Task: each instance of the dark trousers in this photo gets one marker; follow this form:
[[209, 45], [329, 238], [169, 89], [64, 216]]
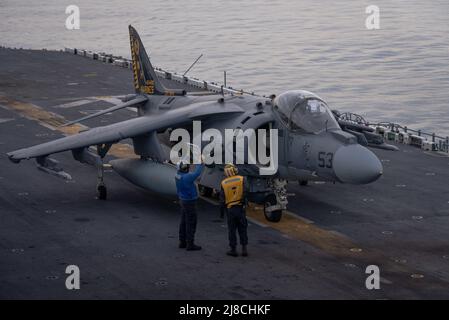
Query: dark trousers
[[187, 227], [237, 222]]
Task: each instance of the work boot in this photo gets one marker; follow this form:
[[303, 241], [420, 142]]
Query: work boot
[[182, 244], [244, 251], [232, 252], [193, 247]]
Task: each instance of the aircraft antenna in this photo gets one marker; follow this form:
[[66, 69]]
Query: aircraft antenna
[[191, 66]]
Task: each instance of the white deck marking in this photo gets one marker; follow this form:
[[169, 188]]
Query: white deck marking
[[73, 104], [6, 120]]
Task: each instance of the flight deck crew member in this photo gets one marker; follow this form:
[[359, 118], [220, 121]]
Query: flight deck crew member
[[232, 198], [188, 196]]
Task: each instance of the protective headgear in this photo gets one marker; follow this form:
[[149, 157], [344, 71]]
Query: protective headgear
[[230, 170], [183, 166]]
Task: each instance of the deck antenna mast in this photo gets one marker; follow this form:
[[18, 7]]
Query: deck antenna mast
[[191, 66]]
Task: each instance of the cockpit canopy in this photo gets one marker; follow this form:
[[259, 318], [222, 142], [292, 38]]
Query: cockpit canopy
[[303, 111]]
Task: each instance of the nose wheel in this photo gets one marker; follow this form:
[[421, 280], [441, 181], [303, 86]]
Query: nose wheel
[[276, 201], [271, 209]]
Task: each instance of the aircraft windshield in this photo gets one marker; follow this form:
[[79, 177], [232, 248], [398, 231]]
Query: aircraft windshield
[[302, 113]]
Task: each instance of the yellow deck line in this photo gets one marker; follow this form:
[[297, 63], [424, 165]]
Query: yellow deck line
[[330, 242], [296, 228]]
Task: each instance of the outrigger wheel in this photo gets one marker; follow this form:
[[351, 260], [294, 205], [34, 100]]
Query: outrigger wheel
[[102, 150], [102, 192], [275, 215]]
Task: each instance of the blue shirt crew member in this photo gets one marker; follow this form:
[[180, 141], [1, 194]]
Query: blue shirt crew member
[[188, 196]]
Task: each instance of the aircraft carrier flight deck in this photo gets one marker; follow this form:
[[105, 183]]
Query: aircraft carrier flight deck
[[126, 246]]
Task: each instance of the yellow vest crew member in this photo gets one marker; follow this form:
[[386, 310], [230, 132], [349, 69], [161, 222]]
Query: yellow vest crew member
[[232, 198]]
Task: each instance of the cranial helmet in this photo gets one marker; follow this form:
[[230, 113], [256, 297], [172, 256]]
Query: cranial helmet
[[230, 170]]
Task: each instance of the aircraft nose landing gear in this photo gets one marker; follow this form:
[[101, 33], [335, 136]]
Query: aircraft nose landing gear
[[271, 209], [276, 201]]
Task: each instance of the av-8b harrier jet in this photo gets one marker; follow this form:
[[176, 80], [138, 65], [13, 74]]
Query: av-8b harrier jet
[[311, 144]]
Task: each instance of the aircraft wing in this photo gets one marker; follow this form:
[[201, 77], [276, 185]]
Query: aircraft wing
[[132, 103], [122, 130]]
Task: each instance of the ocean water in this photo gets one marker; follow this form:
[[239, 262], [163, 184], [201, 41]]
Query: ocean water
[[398, 73]]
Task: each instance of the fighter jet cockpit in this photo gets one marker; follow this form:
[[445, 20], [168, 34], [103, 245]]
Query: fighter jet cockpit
[[302, 111]]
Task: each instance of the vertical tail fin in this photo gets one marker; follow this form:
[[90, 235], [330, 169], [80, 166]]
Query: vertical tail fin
[[145, 79]]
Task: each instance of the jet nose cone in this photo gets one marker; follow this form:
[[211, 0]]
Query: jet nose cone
[[356, 164]]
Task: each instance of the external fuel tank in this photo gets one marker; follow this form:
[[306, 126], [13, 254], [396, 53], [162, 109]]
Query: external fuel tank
[[147, 174]]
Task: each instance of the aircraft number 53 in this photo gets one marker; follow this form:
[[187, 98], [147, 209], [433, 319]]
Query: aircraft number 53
[[325, 159]]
